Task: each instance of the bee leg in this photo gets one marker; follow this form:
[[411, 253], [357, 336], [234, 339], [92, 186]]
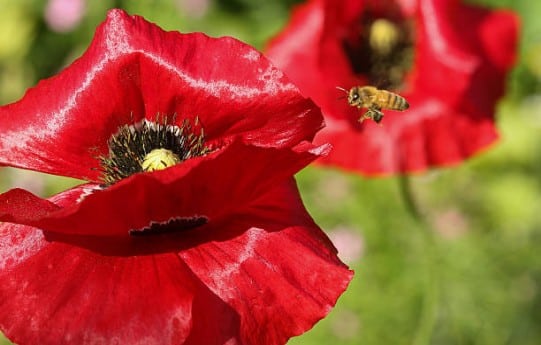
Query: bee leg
[[362, 117], [365, 116], [374, 114], [377, 116]]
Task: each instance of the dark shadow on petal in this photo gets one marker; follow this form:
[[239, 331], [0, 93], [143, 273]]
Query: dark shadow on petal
[[172, 240], [173, 225], [277, 209], [160, 242]]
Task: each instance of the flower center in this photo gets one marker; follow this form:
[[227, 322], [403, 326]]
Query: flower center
[[148, 146], [382, 52], [159, 159], [383, 36]]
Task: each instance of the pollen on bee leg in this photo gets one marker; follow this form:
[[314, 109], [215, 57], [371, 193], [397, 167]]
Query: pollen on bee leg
[[159, 159]]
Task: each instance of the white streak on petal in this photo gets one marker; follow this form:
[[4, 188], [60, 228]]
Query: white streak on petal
[[19, 243]]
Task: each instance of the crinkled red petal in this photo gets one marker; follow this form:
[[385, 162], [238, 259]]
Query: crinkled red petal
[[319, 64], [134, 70], [467, 50], [214, 286], [210, 187], [58, 293], [405, 144], [494, 43], [274, 267], [462, 56]]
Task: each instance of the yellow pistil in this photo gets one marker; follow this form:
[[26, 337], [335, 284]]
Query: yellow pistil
[[159, 159], [383, 36]]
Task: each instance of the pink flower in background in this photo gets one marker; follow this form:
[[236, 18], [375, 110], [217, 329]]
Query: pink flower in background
[[348, 242], [64, 15], [30, 180], [193, 8], [451, 224]]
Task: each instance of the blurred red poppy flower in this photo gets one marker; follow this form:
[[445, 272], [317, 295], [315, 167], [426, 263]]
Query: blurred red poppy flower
[[190, 227], [449, 60]]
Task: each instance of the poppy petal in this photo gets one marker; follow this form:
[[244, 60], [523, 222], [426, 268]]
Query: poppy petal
[[190, 189], [211, 292], [135, 70], [261, 262], [56, 293], [404, 143]]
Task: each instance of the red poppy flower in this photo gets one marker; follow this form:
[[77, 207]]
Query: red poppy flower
[[205, 251], [449, 60]]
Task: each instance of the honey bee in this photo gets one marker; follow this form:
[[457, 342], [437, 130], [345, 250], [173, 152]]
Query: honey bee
[[374, 100]]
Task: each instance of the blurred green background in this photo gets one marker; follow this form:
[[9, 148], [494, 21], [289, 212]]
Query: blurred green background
[[467, 271]]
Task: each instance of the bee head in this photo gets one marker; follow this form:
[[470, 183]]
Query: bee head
[[353, 95]]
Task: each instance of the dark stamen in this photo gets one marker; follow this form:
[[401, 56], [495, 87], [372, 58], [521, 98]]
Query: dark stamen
[[130, 146], [173, 225], [383, 49]]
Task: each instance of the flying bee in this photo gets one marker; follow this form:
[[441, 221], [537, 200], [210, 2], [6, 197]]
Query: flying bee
[[374, 100]]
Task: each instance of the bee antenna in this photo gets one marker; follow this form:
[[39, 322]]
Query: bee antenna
[[342, 89]]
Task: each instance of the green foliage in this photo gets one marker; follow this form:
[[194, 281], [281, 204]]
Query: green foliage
[[468, 272]]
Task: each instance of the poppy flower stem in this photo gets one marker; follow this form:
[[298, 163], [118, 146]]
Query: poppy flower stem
[[431, 289]]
